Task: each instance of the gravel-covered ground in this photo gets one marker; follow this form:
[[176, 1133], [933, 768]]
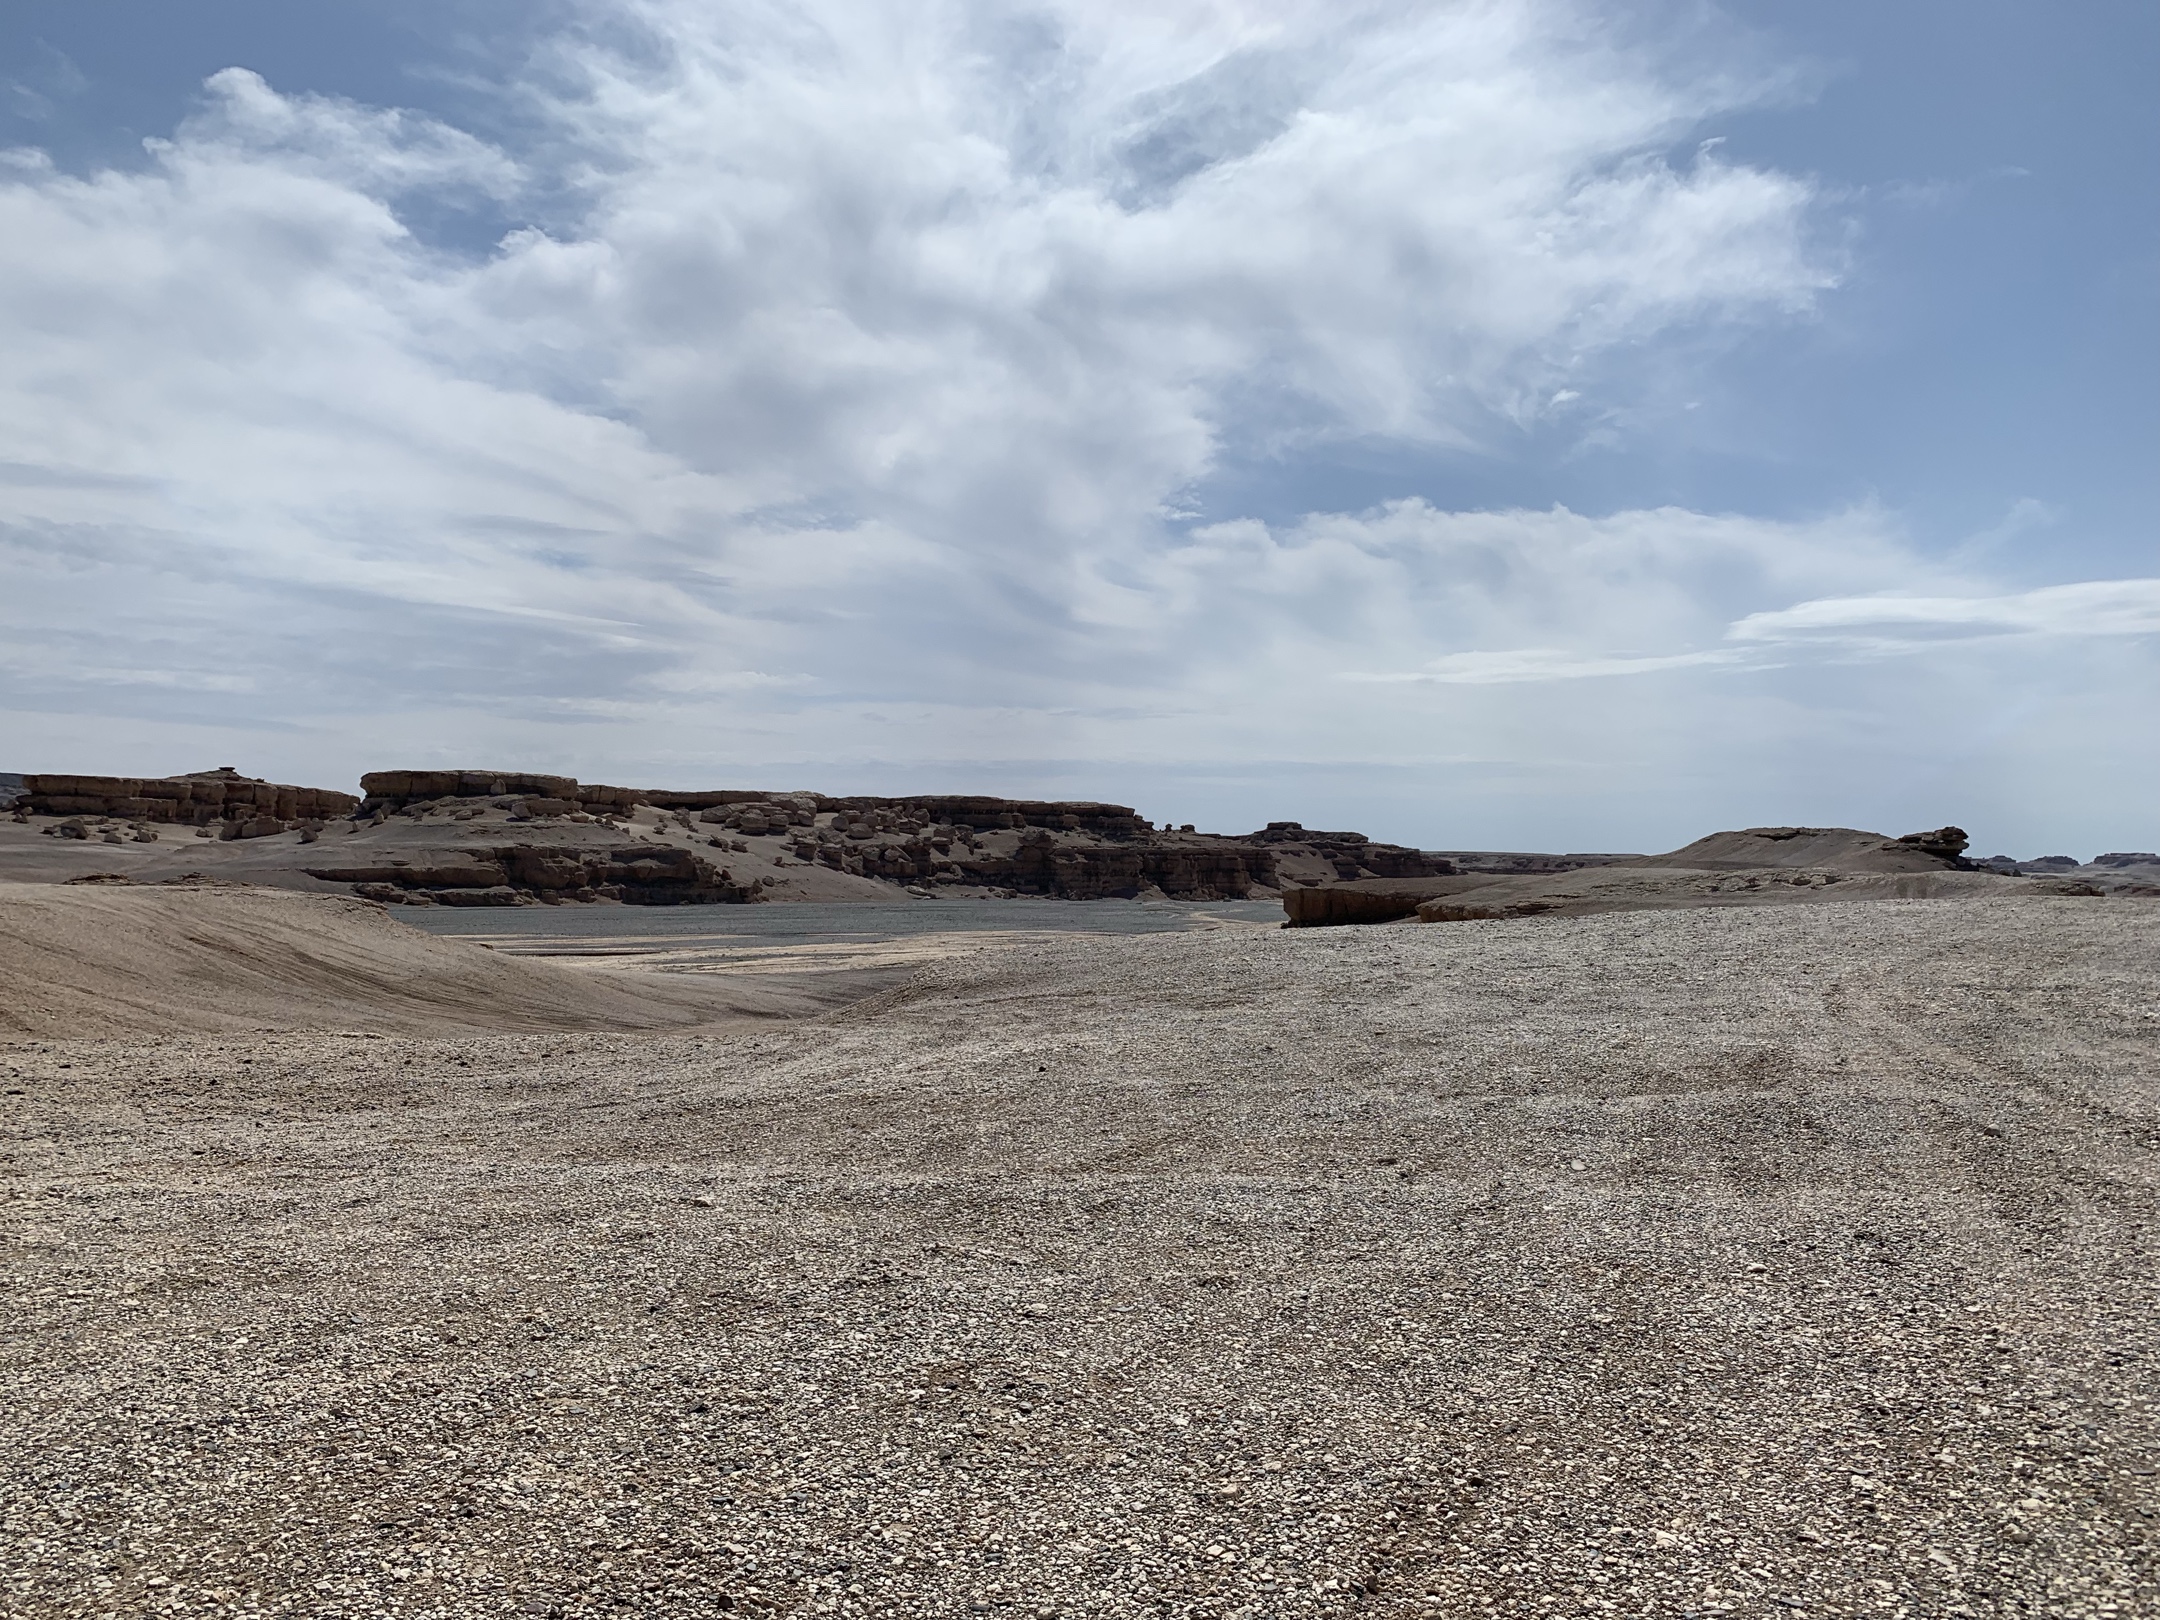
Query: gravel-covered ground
[[1770, 1262]]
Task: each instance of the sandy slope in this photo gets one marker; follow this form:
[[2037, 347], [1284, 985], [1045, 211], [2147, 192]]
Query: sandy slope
[[1722, 1261], [1592, 891], [96, 962]]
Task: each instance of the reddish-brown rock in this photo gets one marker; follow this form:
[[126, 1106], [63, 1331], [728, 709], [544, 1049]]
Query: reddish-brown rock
[[220, 798]]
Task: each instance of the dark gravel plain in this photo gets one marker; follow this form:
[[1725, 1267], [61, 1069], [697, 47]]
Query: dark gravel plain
[[1780, 1262]]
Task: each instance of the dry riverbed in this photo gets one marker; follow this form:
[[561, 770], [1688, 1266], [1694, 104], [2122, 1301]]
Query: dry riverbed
[[1779, 1262]]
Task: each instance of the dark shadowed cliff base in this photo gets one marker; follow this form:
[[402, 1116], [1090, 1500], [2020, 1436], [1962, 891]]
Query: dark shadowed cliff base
[[1752, 1261]]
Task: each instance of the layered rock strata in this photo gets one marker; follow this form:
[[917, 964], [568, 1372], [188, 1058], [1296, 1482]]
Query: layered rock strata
[[1352, 854], [1078, 850], [1038, 862], [235, 806], [1086, 852], [487, 837], [386, 792], [1509, 862], [525, 874]]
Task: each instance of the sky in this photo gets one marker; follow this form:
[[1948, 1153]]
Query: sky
[[1495, 425]]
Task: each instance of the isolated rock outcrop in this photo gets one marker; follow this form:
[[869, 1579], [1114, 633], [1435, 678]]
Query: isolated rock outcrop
[[1944, 843], [1372, 900]]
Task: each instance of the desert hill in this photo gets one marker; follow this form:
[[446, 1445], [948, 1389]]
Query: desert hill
[[1817, 849]]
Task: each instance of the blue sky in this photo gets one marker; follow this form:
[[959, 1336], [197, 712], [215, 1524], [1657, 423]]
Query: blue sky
[[1511, 424]]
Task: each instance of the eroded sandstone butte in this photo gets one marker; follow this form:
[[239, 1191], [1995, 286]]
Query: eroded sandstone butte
[[236, 806]]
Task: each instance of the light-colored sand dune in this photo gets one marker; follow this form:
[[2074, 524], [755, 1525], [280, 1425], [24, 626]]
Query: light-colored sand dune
[[91, 963]]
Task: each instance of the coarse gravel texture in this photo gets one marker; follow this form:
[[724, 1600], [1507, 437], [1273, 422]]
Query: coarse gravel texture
[[1793, 1261]]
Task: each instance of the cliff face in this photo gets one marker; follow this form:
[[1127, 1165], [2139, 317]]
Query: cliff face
[[1078, 850], [389, 791], [236, 805], [485, 837], [1074, 866], [522, 874], [1351, 854]]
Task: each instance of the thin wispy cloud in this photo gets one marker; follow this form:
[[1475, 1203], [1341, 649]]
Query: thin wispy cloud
[[1541, 664], [2107, 607]]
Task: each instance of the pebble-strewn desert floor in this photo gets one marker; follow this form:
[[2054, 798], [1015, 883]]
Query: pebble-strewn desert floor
[[1779, 1262]]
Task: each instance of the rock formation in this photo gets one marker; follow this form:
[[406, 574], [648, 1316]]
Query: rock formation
[[389, 791], [1510, 862], [1754, 866], [235, 806], [1374, 900], [489, 837], [523, 874], [1944, 843], [1352, 854], [1077, 850]]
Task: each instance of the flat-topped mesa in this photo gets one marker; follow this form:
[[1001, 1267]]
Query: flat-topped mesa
[[536, 793], [395, 790], [387, 791], [984, 814], [743, 811], [391, 791], [237, 806]]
